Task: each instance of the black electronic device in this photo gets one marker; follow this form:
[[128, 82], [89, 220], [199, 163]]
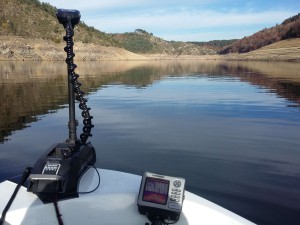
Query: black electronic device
[[161, 197], [56, 173], [66, 15]]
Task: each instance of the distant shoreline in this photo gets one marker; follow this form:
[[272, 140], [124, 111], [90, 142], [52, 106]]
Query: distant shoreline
[[286, 50], [21, 49]]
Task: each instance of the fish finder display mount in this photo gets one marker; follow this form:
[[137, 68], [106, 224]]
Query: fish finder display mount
[[161, 198]]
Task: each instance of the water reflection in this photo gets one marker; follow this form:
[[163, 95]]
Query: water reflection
[[30, 89], [225, 126]]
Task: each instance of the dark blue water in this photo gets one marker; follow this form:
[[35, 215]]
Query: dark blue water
[[230, 131]]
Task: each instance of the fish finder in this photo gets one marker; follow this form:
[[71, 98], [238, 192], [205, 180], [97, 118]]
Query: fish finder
[[161, 197]]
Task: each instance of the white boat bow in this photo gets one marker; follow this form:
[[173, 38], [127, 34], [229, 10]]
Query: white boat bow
[[114, 202]]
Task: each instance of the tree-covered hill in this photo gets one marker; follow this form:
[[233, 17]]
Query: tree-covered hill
[[140, 41], [216, 45], [290, 28]]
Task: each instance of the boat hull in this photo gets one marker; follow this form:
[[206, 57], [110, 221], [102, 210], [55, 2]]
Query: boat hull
[[113, 203]]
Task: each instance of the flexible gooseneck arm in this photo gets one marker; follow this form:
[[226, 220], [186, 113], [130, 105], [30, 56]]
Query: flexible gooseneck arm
[[69, 18]]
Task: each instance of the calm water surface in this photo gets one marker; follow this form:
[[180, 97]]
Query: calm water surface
[[231, 129]]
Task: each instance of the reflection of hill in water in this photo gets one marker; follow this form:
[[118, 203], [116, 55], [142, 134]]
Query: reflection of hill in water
[[281, 78], [29, 89]]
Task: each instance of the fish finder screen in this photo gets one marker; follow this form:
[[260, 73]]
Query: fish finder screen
[[156, 190]]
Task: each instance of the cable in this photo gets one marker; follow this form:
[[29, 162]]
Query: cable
[[157, 220], [99, 181], [57, 212], [25, 175], [167, 223]]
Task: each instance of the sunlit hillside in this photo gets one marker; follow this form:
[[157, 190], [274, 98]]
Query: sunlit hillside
[[290, 28], [286, 50]]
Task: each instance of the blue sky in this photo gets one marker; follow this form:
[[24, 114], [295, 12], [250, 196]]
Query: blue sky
[[183, 20]]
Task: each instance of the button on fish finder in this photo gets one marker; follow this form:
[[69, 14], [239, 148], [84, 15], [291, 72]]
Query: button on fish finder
[[177, 183]]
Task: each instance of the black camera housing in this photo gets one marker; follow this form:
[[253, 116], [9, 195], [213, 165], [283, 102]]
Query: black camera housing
[[66, 16]]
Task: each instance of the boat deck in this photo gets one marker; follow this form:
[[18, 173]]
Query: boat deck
[[113, 203]]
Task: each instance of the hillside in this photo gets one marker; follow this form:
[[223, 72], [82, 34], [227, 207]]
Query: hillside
[[32, 19], [140, 41], [29, 30], [19, 48], [290, 28], [215, 45], [285, 50]]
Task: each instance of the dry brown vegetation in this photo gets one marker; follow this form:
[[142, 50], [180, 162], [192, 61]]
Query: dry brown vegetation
[[18, 48]]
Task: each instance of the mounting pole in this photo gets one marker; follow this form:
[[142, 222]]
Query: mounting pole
[[72, 118], [69, 18]]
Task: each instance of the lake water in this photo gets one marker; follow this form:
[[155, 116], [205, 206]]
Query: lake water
[[232, 129]]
